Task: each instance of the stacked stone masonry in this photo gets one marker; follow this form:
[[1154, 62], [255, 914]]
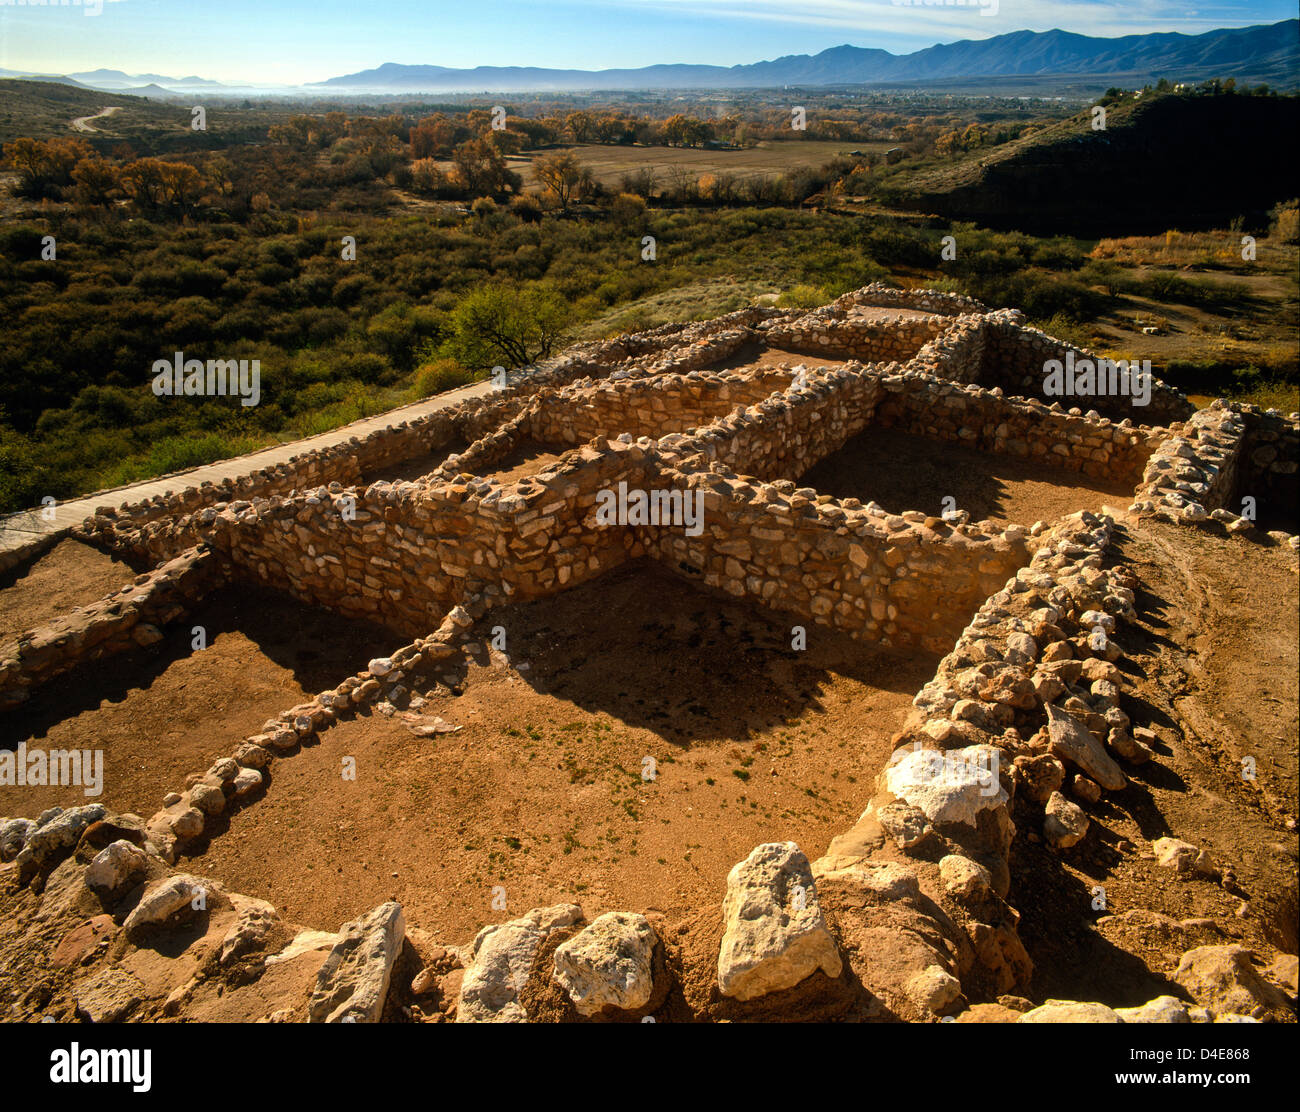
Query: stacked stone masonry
[[1022, 716]]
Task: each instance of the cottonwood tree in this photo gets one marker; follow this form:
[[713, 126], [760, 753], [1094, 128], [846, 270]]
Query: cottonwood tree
[[483, 170], [564, 178], [507, 325], [97, 181]]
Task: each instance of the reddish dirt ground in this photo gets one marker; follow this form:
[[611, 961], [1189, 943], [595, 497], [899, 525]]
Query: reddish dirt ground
[[541, 791], [527, 459], [902, 471], [757, 355], [166, 711], [415, 468], [69, 575]]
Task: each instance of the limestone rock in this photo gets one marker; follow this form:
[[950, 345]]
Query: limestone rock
[[904, 823], [108, 996], [246, 781], [61, 833], [174, 896], [352, 985], [208, 798], [1041, 775], [1223, 980], [963, 878], [255, 925], [933, 990], [608, 964], [1183, 857], [1070, 1011], [1065, 825], [1163, 1009], [501, 957], [1074, 742], [775, 935], [13, 837], [949, 787], [115, 869]]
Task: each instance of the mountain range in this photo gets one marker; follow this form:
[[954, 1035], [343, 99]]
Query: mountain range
[[1264, 52], [1267, 53]]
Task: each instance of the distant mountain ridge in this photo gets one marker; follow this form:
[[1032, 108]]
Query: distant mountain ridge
[[1263, 52]]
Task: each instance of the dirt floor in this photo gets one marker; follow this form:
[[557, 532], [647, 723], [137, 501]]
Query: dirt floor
[[411, 469], [527, 459], [541, 790], [752, 356], [902, 471], [166, 711], [1214, 664], [69, 575]]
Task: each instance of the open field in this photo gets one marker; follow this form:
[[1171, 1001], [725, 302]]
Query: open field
[[609, 163]]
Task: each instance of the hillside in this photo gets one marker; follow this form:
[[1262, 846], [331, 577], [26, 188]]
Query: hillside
[[1164, 161]]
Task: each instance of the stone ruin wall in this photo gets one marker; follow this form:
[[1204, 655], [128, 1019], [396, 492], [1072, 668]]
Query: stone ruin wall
[[129, 618], [678, 347], [878, 295], [1224, 452], [830, 333], [892, 579], [1014, 358], [981, 418], [648, 407], [1269, 457], [927, 876]]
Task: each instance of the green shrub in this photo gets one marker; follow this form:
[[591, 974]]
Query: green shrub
[[438, 376]]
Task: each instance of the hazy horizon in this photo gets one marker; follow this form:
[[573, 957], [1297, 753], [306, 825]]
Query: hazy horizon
[[296, 43]]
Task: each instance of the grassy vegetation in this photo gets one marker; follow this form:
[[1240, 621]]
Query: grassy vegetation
[[251, 263]]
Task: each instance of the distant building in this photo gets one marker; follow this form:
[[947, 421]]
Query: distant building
[[894, 154]]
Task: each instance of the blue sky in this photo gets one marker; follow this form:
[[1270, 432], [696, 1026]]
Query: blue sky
[[272, 42]]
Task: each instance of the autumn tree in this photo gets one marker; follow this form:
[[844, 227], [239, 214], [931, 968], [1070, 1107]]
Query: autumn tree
[[563, 177], [483, 169], [144, 181], [581, 126], [45, 166], [686, 131], [97, 181]]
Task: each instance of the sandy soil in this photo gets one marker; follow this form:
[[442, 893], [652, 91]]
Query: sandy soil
[[527, 459], [167, 711], [1214, 661], [414, 468], [69, 575], [902, 471], [541, 791], [752, 356]]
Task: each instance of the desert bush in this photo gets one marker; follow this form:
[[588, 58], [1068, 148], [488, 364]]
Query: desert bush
[[439, 375]]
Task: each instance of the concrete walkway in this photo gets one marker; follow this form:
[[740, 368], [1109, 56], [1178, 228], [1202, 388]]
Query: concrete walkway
[[22, 529]]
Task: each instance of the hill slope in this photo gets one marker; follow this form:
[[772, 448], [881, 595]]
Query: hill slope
[[1163, 162]]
